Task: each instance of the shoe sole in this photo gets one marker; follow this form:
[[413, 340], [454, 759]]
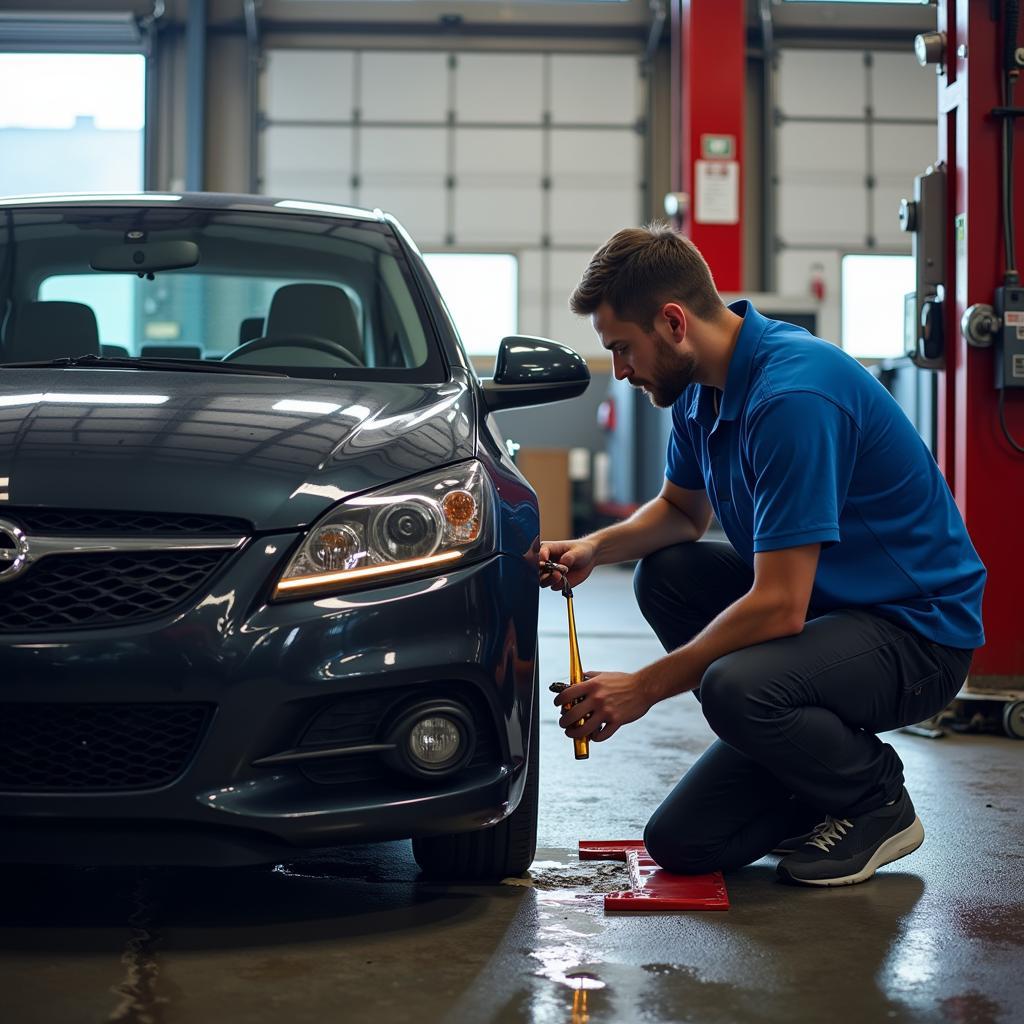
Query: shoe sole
[[897, 846]]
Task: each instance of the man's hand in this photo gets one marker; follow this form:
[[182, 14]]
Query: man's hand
[[578, 556], [609, 700]]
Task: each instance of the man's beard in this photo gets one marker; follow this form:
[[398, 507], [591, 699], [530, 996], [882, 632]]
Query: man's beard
[[673, 374]]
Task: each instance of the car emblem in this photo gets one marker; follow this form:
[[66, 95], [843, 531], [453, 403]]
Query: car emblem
[[13, 551]]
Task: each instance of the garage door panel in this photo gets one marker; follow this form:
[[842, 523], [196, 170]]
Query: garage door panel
[[810, 150], [822, 213], [900, 87], [308, 163], [596, 158], [588, 217], [498, 156], [822, 83], [906, 149], [403, 86], [514, 217], [499, 87], [403, 155], [592, 89], [288, 95]]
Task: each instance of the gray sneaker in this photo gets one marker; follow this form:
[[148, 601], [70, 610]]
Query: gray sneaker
[[843, 851]]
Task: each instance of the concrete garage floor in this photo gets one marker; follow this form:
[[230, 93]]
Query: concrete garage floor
[[353, 936]]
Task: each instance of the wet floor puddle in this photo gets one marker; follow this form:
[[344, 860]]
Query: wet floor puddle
[[573, 881]]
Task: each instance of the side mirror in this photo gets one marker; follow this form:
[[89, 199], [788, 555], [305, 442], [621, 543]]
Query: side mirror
[[534, 371]]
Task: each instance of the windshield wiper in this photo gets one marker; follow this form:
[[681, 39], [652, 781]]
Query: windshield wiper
[[120, 363]]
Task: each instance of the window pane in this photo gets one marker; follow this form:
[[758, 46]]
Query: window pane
[[74, 122], [873, 290], [481, 292]]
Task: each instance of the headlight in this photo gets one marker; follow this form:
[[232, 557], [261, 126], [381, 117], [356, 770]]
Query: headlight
[[437, 519]]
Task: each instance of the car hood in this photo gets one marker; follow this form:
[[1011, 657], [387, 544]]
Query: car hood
[[274, 451]]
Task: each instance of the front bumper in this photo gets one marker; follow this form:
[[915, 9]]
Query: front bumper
[[267, 671]]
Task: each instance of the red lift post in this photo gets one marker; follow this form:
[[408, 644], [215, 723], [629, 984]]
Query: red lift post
[[709, 40], [984, 472]]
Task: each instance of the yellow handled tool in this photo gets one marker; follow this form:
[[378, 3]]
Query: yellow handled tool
[[581, 747]]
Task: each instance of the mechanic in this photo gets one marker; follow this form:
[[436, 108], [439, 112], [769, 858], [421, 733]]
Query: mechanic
[[846, 603]]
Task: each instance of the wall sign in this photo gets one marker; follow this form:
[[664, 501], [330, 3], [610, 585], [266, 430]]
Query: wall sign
[[717, 191]]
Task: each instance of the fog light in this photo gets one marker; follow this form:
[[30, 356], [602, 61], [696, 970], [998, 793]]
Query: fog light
[[431, 739], [434, 741]]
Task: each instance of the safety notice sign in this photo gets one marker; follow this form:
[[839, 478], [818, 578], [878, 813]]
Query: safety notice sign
[[717, 199]]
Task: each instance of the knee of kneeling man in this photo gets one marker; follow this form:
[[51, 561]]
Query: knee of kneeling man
[[664, 564], [646, 578], [722, 690]]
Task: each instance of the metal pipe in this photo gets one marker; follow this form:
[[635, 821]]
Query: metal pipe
[[195, 95], [658, 15], [149, 30], [768, 171], [252, 37]]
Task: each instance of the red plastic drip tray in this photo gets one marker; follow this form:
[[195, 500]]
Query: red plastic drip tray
[[651, 888]]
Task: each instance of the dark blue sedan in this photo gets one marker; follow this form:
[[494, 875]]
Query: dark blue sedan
[[268, 574]]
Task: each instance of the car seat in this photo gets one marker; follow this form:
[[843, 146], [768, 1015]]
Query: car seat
[[319, 310], [51, 330]]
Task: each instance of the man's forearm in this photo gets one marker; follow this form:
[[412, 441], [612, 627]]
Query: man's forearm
[[653, 526], [755, 618]]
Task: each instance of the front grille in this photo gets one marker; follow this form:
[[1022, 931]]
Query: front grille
[[96, 590], [87, 522], [81, 747], [361, 719]]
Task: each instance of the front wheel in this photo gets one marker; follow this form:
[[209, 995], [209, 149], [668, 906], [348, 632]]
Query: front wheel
[[490, 854]]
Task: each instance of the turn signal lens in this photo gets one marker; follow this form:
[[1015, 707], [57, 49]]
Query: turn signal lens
[[462, 515]]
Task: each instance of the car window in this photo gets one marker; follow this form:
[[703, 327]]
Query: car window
[[312, 296], [133, 315]]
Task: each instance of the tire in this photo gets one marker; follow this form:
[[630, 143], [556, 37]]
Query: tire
[[490, 854]]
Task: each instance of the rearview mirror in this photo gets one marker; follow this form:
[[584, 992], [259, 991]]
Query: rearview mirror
[[146, 257], [534, 371]]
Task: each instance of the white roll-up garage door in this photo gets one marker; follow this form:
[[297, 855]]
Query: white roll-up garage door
[[536, 154]]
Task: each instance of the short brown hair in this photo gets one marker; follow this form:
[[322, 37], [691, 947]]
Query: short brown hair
[[638, 270]]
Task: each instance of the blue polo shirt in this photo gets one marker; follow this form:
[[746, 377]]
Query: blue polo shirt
[[809, 448]]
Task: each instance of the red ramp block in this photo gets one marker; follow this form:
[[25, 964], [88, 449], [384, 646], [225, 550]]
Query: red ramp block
[[651, 888]]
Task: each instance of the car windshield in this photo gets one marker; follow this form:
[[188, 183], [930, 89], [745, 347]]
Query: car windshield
[[311, 296]]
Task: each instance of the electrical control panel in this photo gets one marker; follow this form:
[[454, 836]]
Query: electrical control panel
[[1009, 339]]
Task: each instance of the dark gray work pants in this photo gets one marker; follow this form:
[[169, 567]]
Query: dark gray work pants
[[796, 717]]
